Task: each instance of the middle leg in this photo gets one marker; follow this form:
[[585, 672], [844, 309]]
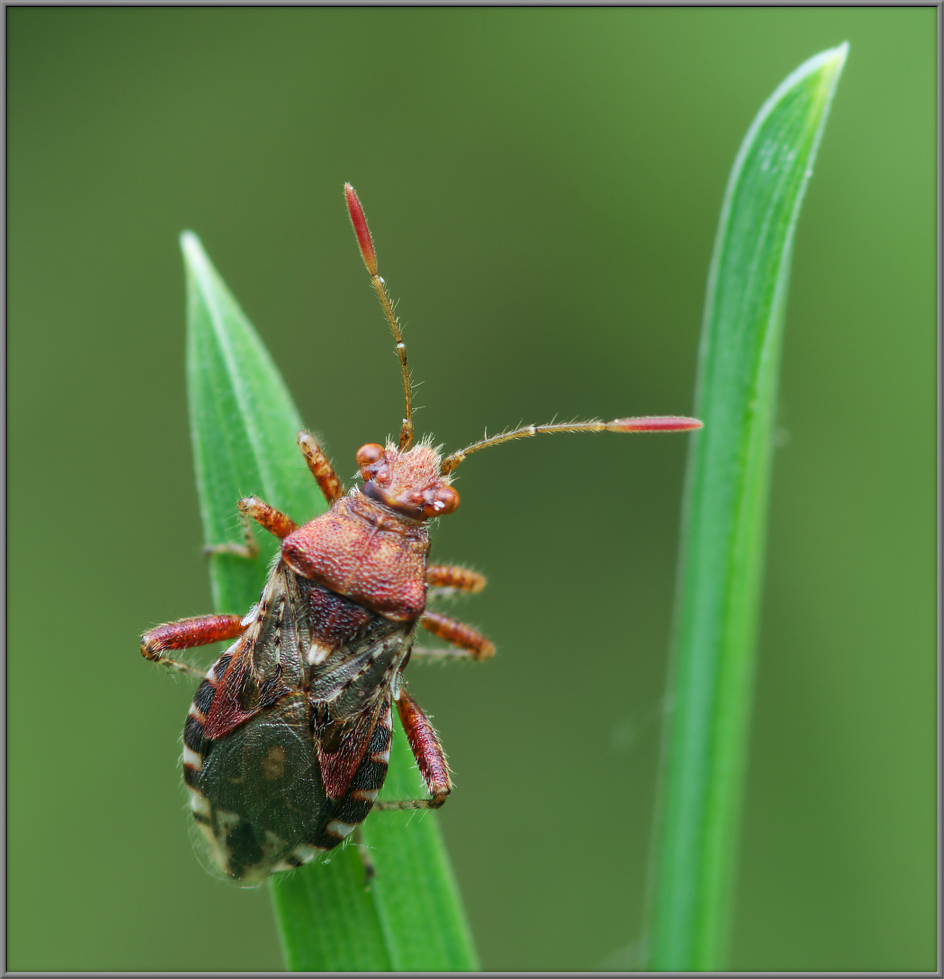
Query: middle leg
[[469, 642], [186, 634], [450, 577]]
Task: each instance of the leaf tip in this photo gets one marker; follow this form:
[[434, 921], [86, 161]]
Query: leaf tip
[[192, 248], [834, 60], [827, 65]]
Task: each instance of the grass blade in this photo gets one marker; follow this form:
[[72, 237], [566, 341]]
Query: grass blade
[[725, 515], [243, 427]]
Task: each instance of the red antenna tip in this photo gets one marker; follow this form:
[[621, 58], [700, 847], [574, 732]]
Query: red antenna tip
[[655, 423], [360, 229]]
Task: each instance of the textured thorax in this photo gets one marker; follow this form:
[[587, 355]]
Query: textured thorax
[[365, 552]]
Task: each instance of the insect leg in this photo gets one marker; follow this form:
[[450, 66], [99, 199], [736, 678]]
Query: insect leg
[[274, 521], [429, 757], [453, 577], [469, 642], [370, 871], [321, 468], [186, 634]]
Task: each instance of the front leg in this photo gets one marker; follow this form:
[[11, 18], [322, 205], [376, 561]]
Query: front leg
[[429, 757], [186, 634], [274, 521], [319, 465]]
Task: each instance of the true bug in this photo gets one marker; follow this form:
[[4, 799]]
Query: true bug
[[287, 741]]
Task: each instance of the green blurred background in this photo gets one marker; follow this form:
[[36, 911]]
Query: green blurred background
[[544, 187]]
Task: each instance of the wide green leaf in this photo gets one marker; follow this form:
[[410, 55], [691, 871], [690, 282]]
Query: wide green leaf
[[725, 515], [243, 426]]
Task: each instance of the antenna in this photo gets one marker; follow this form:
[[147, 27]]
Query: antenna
[[651, 423], [366, 245]]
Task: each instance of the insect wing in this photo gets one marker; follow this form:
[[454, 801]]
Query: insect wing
[[351, 685], [263, 791], [249, 757]]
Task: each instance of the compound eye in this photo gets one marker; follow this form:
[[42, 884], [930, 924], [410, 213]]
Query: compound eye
[[445, 501], [369, 458], [369, 454]]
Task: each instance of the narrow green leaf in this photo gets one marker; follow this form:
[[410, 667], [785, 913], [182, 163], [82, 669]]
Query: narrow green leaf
[[243, 427], [725, 514]]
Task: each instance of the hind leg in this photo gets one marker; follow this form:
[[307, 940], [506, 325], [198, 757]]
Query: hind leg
[[429, 757]]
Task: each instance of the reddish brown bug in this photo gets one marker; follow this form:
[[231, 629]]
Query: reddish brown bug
[[287, 741]]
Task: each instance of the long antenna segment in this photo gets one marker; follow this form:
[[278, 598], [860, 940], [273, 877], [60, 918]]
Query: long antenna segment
[[366, 244], [650, 423]]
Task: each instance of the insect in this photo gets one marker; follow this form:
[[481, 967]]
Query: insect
[[287, 741]]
